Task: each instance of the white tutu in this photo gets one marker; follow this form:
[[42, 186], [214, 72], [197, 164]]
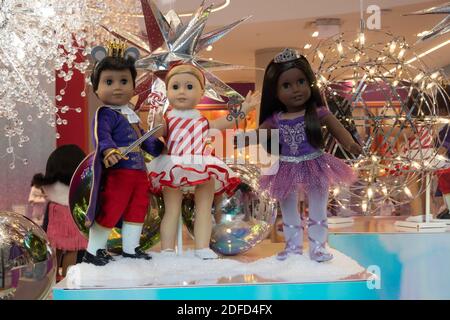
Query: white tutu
[[185, 172]]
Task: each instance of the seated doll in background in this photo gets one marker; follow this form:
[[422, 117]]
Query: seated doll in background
[[61, 229]]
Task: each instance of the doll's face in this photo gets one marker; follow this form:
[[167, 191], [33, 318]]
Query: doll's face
[[293, 89], [115, 87], [184, 91]]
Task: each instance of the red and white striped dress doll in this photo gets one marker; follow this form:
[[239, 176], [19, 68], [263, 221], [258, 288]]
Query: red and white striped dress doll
[[188, 162]]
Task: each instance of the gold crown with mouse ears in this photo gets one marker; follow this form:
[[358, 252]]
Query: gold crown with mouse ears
[[115, 49]]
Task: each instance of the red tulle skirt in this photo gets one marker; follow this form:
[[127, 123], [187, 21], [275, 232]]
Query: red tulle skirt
[[62, 231]]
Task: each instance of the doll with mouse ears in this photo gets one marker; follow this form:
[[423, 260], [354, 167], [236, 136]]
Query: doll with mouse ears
[[120, 183]]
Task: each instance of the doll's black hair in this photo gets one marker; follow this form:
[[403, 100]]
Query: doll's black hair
[[270, 103], [61, 166], [113, 63]]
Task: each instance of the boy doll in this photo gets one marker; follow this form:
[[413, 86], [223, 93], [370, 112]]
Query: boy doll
[[120, 183]]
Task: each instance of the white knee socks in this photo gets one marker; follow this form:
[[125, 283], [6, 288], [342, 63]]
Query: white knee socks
[[98, 236]]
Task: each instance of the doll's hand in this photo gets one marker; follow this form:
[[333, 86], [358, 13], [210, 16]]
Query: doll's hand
[[112, 156], [158, 119], [251, 101], [355, 148]]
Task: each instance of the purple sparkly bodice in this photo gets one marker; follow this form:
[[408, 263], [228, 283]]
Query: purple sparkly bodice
[[293, 139]]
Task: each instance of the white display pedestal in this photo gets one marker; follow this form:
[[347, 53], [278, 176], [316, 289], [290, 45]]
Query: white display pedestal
[[421, 223], [444, 221]]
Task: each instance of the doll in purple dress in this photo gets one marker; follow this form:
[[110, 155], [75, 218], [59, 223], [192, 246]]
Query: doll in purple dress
[[291, 102]]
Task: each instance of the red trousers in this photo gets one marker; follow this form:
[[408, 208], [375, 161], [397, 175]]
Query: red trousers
[[125, 193], [444, 180]]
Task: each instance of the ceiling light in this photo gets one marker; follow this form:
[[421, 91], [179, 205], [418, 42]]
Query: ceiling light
[[315, 34], [307, 46], [442, 44], [209, 48]]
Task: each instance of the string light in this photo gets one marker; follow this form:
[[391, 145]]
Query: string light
[[389, 163]]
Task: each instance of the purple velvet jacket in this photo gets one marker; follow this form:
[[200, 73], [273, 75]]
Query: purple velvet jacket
[[111, 129]]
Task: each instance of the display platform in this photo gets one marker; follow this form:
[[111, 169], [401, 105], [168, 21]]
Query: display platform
[[253, 275], [248, 287], [384, 263]]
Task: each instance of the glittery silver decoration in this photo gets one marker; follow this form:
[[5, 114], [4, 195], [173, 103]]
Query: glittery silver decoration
[[241, 220], [170, 40], [442, 27]]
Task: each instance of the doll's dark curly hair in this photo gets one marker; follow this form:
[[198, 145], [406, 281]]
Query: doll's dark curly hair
[[61, 165]]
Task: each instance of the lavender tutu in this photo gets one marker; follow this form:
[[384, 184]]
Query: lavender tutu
[[316, 174]]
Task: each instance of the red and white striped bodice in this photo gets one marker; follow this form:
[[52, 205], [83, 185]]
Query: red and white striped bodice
[[424, 139], [186, 135]]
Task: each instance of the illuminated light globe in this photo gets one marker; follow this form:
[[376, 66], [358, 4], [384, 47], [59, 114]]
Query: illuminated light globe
[[240, 221], [80, 188], [391, 104], [27, 261]]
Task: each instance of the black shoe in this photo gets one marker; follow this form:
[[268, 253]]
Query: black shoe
[[100, 259], [443, 215], [139, 254]]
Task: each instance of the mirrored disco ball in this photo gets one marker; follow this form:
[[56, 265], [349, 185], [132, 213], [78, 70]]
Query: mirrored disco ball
[[393, 106], [240, 221], [27, 261], [80, 189]]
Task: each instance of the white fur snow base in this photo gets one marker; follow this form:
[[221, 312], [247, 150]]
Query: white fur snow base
[[188, 269]]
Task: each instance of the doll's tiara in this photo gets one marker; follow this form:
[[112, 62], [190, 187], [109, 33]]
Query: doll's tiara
[[287, 55]]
